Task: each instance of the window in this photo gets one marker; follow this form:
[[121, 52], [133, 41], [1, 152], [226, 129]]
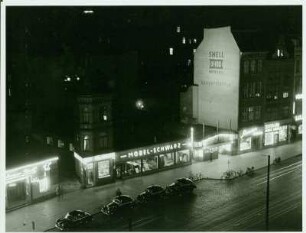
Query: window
[[246, 67], [194, 50], [86, 143], [183, 40], [259, 65], [103, 169], [178, 29], [188, 62], [297, 66], [257, 112], [251, 113], [85, 116], [103, 113], [194, 40], [285, 94], [171, 51], [103, 141], [253, 66], [258, 89], [244, 114]]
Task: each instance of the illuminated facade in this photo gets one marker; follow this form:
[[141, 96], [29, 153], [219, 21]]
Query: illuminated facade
[[28, 183], [216, 73], [246, 91], [102, 168]]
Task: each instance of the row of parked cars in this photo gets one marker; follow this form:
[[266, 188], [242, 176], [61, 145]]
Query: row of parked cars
[[123, 203]]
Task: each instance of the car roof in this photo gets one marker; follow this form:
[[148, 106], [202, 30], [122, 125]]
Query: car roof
[[184, 180], [123, 198]]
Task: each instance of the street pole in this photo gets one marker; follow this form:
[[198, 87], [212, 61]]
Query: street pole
[[267, 197]]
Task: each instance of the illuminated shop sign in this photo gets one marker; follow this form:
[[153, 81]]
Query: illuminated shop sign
[[251, 132], [298, 96], [272, 127], [94, 158], [151, 150], [29, 170], [298, 117]]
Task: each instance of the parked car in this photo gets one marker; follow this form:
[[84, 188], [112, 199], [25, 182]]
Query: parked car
[[153, 192], [180, 186], [119, 203], [73, 219]]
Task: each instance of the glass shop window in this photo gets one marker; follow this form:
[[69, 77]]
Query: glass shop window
[[182, 156], [150, 163], [166, 160]]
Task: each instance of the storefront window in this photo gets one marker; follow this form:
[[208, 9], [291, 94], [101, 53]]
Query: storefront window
[[198, 155], [182, 156], [283, 133], [131, 167], [103, 169], [166, 160], [269, 138], [246, 144], [150, 163], [300, 129]]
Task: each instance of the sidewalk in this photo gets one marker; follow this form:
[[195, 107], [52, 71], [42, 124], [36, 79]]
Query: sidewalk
[[46, 213]]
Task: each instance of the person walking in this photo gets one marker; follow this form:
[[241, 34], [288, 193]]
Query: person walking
[[118, 192], [57, 192]]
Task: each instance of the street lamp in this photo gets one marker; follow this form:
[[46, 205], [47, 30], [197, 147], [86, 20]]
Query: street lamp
[[139, 104], [267, 195]]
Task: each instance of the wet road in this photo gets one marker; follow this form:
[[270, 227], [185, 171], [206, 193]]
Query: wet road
[[237, 205]]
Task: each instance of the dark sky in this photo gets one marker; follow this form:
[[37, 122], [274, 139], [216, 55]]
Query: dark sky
[[49, 29]]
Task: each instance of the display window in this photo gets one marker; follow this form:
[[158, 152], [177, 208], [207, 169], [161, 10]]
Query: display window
[[166, 160], [246, 144], [182, 156], [300, 129], [103, 169], [198, 155], [150, 163], [131, 168], [269, 138], [283, 133]]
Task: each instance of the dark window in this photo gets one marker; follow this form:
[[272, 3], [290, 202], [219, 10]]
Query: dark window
[[103, 141], [259, 65], [251, 113], [253, 66], [246, 67], [85, 115], [257, 112]]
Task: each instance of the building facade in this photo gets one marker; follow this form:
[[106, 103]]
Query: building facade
[[31, 182], [247, 92]]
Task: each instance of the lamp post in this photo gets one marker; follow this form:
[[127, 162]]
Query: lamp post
[[267, 195], [191, 139]]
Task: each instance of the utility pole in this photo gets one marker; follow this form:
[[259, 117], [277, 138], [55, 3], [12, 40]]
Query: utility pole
[[267, 197]]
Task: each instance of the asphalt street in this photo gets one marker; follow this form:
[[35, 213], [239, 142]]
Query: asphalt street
[[216, 205]]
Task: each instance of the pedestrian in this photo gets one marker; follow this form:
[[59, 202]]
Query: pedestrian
[[118, 192], [33, 226], [57, 192], [61, 193]]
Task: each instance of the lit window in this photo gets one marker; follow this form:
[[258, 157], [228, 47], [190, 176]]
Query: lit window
[[171, 51], [178, 29], [183, 40], [194, 40], [194, 50], [189, 62], [285, 94], [189, 41], [103, 113], [278, 52], [105, 117], [43, 185], [86, 143]]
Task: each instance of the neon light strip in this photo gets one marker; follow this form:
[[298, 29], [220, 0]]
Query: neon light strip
[[33, 164], [15, 180]]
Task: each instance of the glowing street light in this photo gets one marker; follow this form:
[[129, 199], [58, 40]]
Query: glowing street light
[[140, 104], [88, 12]]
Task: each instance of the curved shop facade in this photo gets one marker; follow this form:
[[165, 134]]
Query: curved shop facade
[[105, 168], [151, 159]]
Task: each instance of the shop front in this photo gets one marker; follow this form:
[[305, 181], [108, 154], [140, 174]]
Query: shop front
[[276, 133], [95, 170], [250, 139], [31, 182], [151, 159]]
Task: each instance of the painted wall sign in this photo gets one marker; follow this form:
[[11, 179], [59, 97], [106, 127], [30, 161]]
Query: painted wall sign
[[216, 73]]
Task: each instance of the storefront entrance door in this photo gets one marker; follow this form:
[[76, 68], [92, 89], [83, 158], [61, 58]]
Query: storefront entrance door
[[16, 194]]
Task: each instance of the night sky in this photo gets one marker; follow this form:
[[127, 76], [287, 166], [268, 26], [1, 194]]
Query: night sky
[[45, 44]]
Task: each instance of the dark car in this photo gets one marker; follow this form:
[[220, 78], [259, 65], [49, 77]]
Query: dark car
[[180, 186], [119, 203], [151, 193], [73, 219]]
